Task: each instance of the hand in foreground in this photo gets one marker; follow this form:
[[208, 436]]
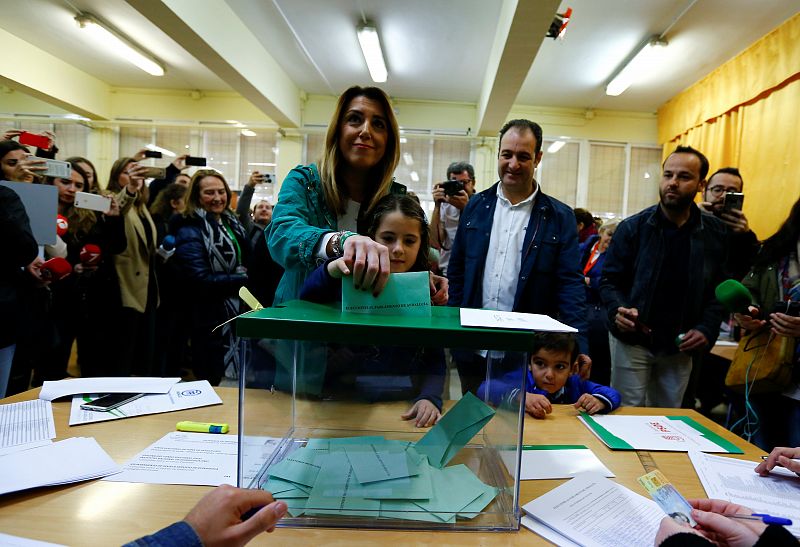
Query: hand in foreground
[[35, 270], [425, 412], [785, 325], [369, 262], [256, 177], [584, 366], [180, 162], [736, 220], [217, 518], [459, 200], [439, 290], [537, 405], [780, 456], [135, 173], [337, 269], [714, 525], [29, 167], [693, 339], [625, 320], [748, 322], [589, 403]]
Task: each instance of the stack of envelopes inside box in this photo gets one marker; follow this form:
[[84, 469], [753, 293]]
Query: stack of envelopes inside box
[[378, 477]]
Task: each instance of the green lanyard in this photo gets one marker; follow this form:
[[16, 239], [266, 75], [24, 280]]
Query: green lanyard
[[235, 242]]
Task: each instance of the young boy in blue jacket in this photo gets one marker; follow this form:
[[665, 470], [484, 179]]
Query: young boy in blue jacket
[[552, 377]]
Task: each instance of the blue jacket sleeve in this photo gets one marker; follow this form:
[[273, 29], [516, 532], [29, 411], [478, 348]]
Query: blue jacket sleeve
[[320, 287], [179, 534], [504, 388], [193, 258], [608, 395], [432, 376]]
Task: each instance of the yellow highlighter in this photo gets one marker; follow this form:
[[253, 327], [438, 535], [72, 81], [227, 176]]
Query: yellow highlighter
[[200, 427]]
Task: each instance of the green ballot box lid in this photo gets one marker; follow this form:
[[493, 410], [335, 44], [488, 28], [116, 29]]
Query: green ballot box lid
[[300, 320]]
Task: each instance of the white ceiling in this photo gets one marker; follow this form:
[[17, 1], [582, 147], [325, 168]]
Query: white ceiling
[[435, 49]]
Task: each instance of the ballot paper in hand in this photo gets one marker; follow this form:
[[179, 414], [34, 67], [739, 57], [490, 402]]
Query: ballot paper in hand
[[71, 460], [404, 294], [180, 397], [454, 430]]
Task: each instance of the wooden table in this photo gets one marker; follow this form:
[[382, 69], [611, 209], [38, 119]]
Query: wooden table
[[111, 513]]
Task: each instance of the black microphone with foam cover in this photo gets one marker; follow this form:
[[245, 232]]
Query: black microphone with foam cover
[[734, 296]]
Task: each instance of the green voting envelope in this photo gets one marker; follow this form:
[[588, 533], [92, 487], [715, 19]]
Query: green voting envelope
[[404, 294], [454, 430]]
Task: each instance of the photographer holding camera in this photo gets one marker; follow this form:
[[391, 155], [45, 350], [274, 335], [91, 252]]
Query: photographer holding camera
[[450, 197]]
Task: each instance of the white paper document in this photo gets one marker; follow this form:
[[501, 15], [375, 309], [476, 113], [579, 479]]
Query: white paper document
[[26, 423], [551, 462], [14, 541], [180, 397], [512, 320], [71, 460], [547, 533], [184, 458], [676, 433], [734, 480], [62, 388], [592, 510]]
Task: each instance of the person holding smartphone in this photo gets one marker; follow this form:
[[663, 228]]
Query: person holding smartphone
[[723, 197]]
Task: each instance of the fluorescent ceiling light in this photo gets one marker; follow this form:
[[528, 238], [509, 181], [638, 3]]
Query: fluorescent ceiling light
[[248, 133], [414, 176], [115, 42], [164, 151], [640, 63], [555, 147], [262, 164], [373, 54], [408, 159]]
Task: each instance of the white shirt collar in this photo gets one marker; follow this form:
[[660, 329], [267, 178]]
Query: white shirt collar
[[501, 195]]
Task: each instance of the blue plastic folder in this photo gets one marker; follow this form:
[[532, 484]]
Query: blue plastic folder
[[454, 430], [404, 294]]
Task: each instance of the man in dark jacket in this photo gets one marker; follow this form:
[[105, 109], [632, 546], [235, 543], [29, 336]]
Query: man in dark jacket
[[658, 287], [21, 251], [516, 248]]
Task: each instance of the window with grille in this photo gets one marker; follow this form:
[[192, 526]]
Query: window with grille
[[558, 172], [606, 181], [645, 173]]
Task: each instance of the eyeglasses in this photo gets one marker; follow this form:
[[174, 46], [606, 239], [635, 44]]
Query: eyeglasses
[[719, 190]]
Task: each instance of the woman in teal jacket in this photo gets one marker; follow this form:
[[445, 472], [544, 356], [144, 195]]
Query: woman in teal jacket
[[320, 208]]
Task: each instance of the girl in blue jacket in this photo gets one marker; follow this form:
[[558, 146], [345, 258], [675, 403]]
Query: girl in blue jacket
[[552, 377], [397, 222]]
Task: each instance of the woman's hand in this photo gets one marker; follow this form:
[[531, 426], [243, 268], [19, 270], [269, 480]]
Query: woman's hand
[[780, 456], [537, 405], [749, 321], [785, 325], [425, 412], [136, 174], [439, 290], [28, 168], [369, 262], [113, 208], [337, 269]]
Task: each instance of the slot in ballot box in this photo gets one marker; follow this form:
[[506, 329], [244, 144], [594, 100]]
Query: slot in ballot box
[[322, 395]]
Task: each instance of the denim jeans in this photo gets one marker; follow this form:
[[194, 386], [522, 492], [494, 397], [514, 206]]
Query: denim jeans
[[644, 378]]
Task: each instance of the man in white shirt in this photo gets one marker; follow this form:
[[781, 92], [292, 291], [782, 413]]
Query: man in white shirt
[[516, 248], [450, 201]]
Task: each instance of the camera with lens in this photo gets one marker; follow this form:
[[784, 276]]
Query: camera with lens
[[789, 308], [451, 187]]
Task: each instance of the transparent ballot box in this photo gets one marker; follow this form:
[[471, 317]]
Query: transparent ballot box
[[325, 406]]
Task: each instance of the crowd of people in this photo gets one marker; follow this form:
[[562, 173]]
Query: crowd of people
[[156, 271]]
